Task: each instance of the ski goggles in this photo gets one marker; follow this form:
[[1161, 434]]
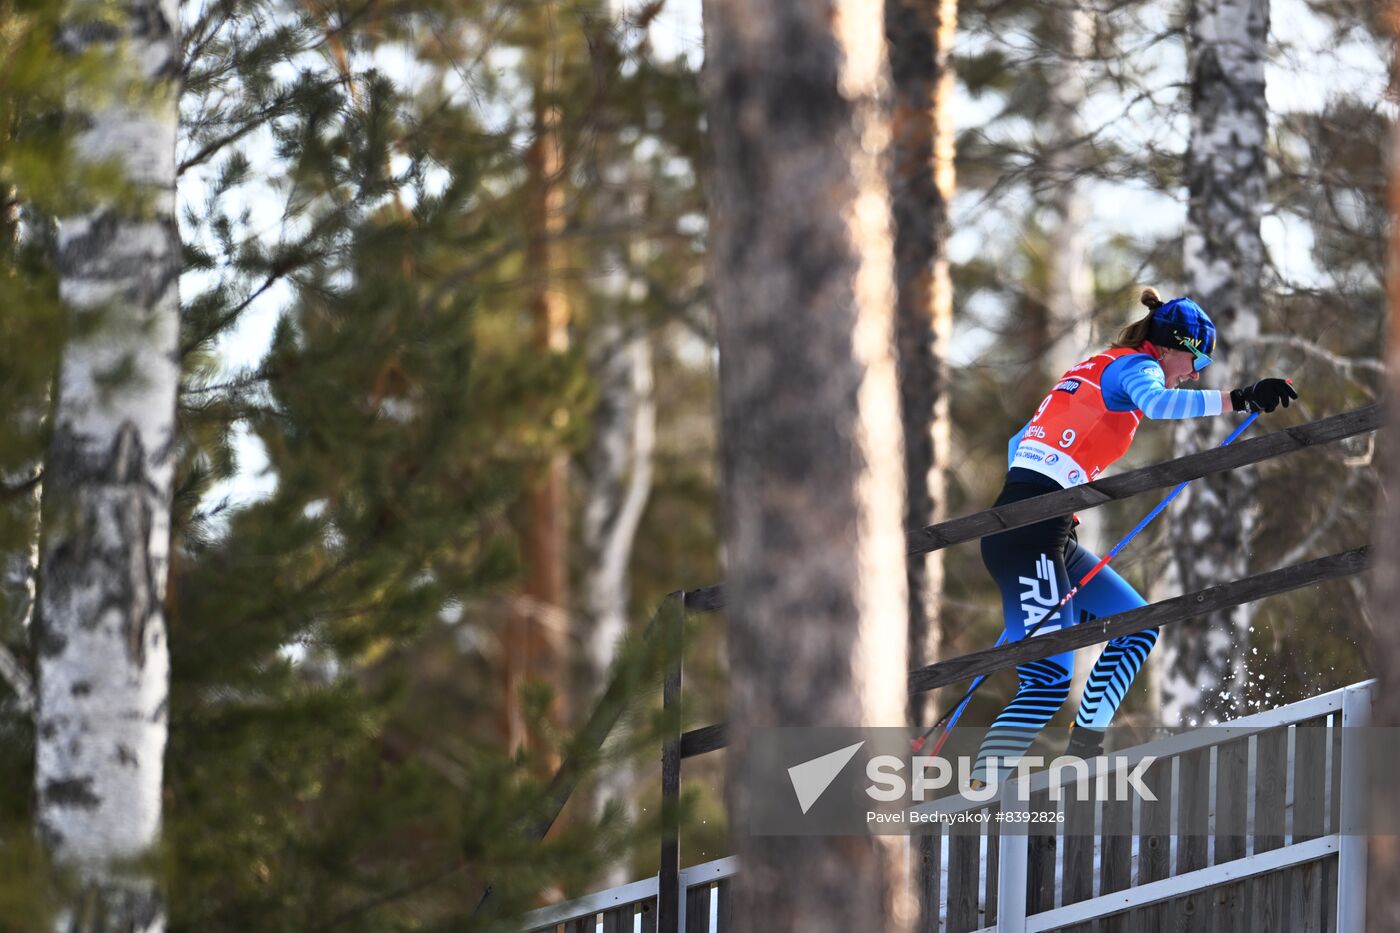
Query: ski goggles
[[1200, 361]]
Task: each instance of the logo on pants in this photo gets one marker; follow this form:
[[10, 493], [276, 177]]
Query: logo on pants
[[1040, 595]]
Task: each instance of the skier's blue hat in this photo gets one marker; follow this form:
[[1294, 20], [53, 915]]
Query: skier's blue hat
[[1181, 324]]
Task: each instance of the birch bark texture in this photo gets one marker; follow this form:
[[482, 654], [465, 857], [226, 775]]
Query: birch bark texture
[[920, 36], [619, 470], [813, 504], [618, 465], [1205, 674], [102, 658]]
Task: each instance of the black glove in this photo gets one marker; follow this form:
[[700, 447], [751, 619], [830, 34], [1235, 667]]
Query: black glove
[[1264, 395]]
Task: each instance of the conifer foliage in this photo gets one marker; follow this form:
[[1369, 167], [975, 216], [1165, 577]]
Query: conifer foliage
[[353, 170]]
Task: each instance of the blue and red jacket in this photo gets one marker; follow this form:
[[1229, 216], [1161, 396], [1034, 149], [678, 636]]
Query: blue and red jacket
[[1088, 420]]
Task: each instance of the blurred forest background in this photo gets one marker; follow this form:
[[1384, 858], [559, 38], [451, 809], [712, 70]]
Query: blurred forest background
[[447, 426]]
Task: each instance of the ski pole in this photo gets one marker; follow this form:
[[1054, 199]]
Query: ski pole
[[957, 711], [1113, 552], [952, 716]]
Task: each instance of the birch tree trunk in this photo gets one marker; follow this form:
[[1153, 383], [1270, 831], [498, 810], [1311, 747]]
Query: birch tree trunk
[[619, 481], [103, 662], [1205, 677], [920, 35], [801, 249], [619, 467]]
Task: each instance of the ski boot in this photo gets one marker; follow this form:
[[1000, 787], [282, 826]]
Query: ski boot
[[1084, 743]]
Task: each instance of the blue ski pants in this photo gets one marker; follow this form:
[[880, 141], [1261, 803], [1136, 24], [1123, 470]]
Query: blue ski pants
[[1034, 567]]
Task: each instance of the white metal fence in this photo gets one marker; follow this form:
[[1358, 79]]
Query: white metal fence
[[1292, 777]]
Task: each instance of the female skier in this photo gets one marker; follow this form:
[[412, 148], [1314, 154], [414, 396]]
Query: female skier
[[1084, 425]]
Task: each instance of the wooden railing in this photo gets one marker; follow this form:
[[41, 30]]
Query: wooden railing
[[664, 632]]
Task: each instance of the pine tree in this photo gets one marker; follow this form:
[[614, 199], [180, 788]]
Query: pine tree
[[396, 422], [337, 645], [920, 39], [801, 247]]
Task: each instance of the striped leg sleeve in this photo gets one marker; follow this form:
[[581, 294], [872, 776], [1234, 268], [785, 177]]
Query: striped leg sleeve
[[1044, 689], [1113, 673]]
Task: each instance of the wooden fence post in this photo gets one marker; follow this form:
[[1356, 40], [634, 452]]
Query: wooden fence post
[[669, 897]]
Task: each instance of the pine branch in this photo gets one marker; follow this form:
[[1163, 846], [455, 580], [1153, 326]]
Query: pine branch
[[280, 105], [394, 894], [198, 36], [292, 260], [254, 378]]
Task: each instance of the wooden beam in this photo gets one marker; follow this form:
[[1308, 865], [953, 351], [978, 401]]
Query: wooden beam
[[705, 599], [1157, 476], [1113, 488], [668, 901], [1167, 612], [702, 740]]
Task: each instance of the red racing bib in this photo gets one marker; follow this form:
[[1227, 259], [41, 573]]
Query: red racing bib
[[1074, 437]]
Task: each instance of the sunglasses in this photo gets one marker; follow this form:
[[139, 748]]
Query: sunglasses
[[1200, 361]]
